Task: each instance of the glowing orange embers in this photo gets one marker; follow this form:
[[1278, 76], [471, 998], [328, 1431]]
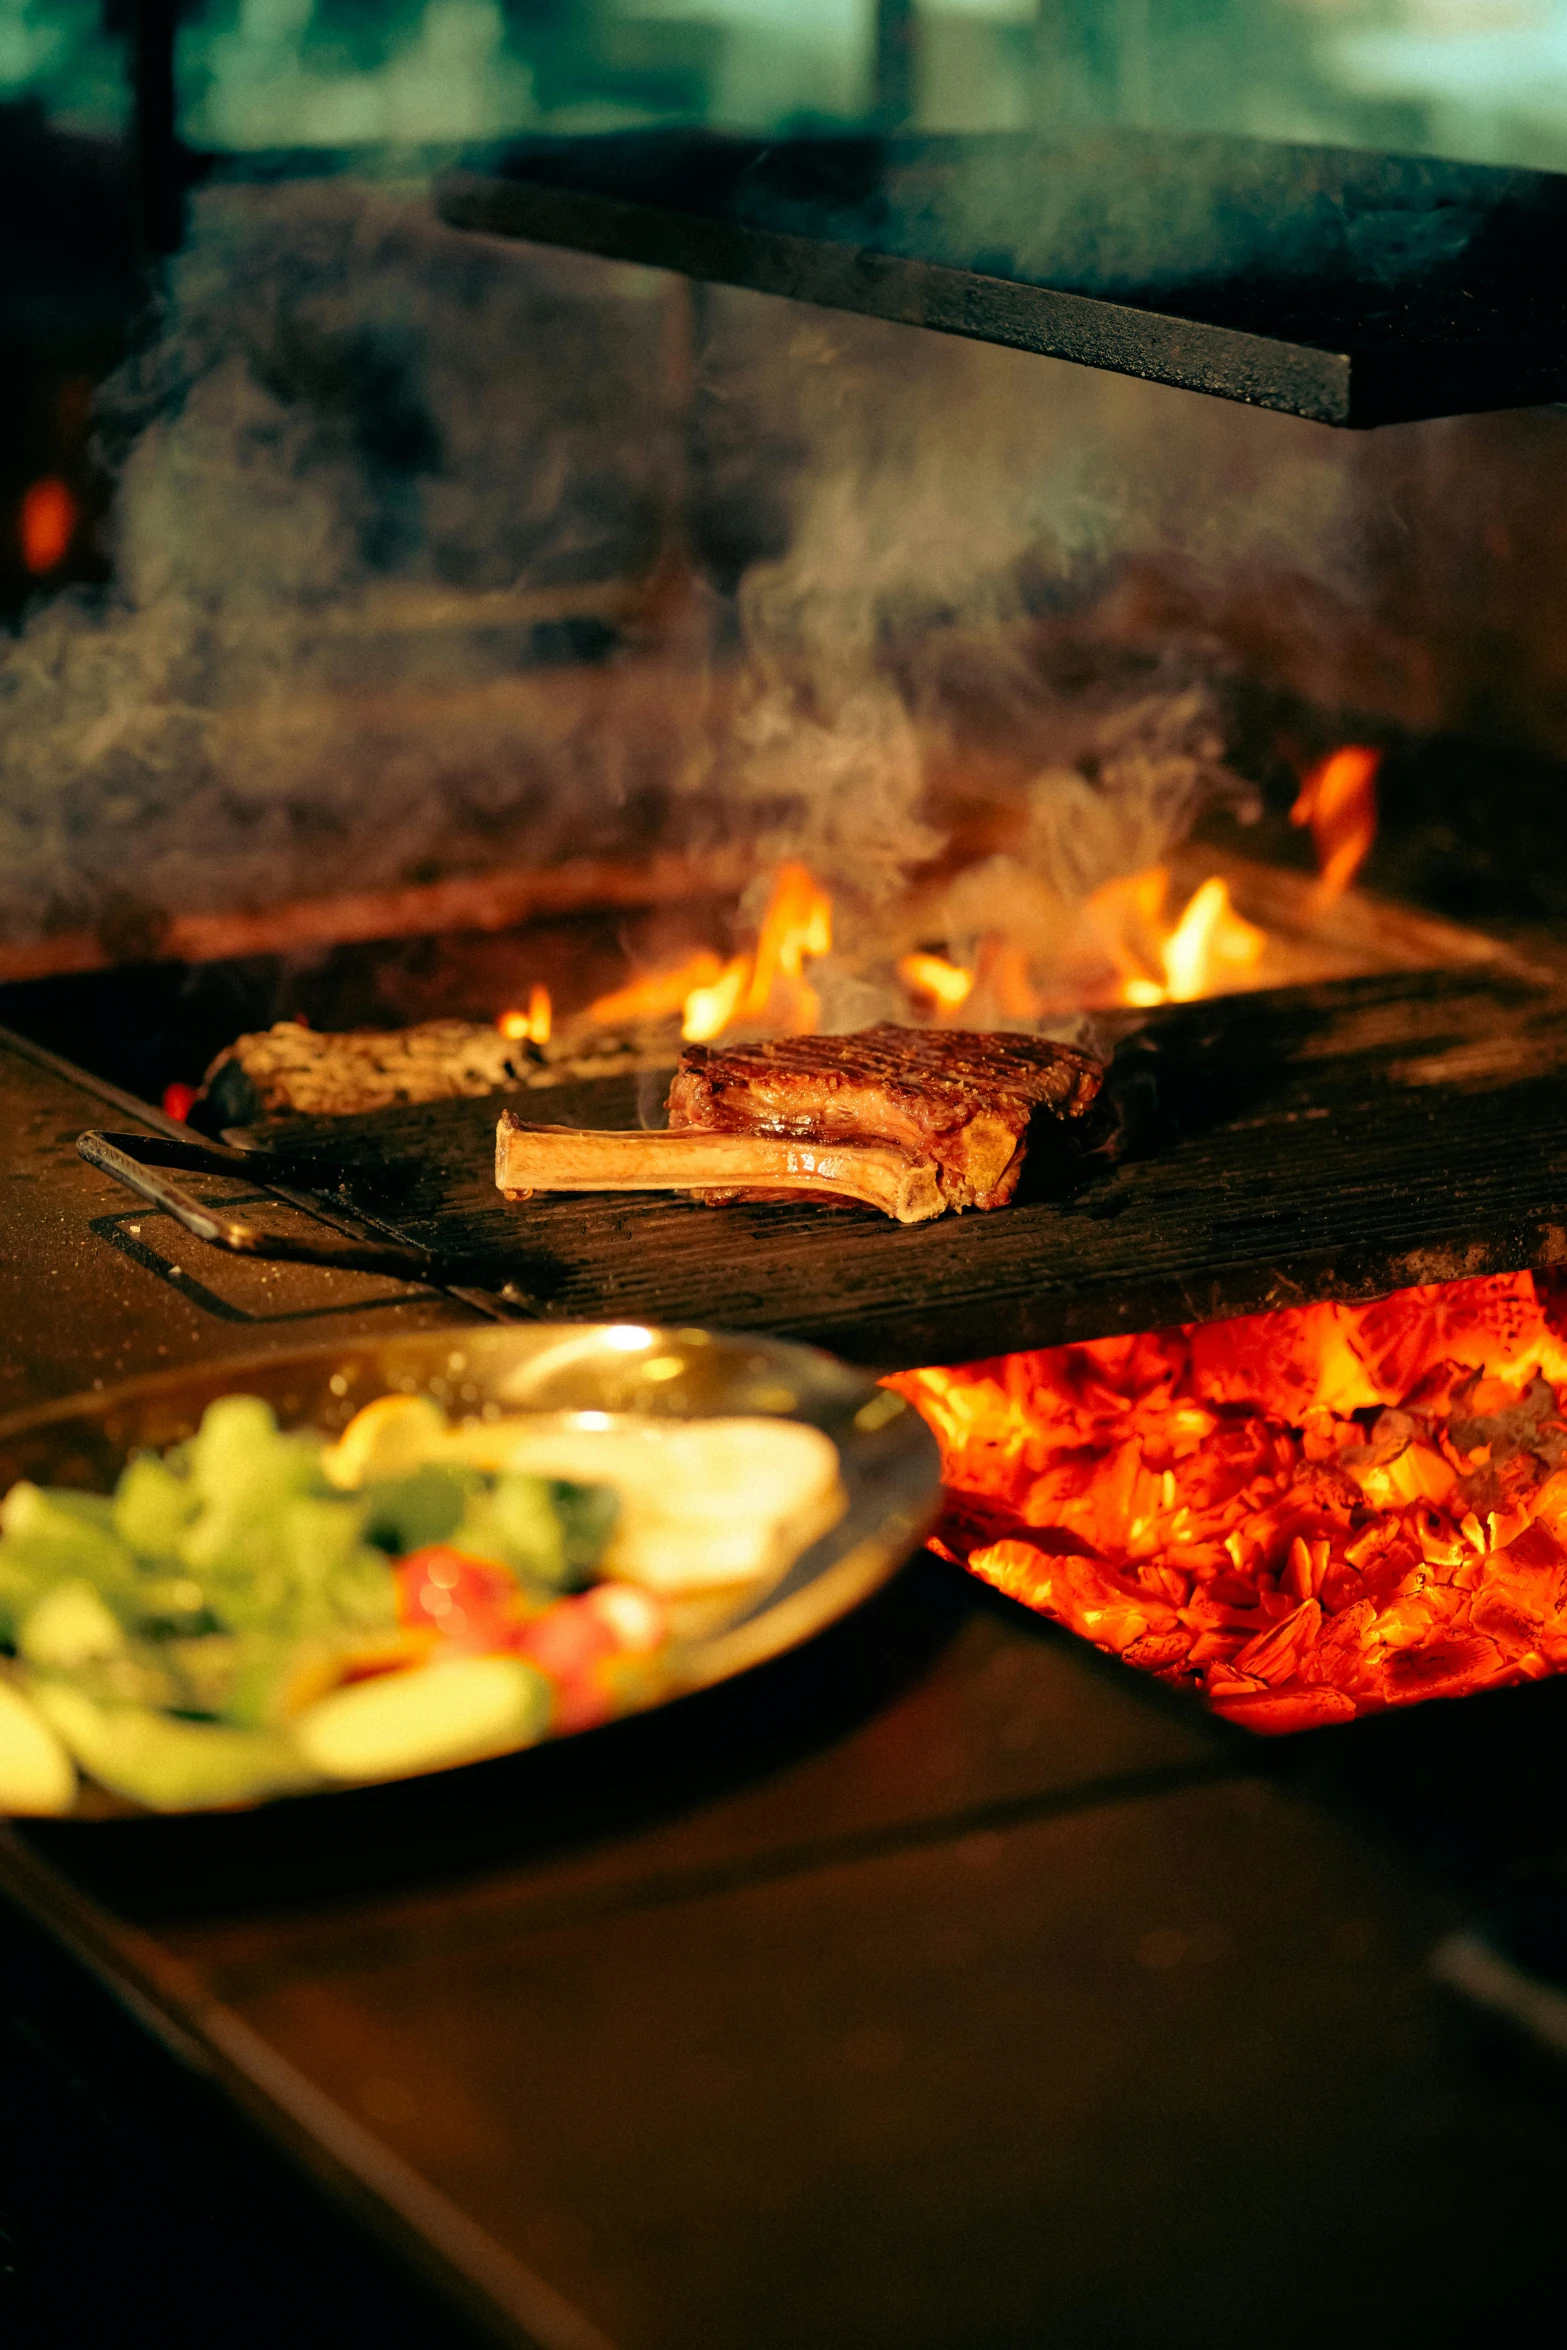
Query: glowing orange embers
[[1338, 800], [1304, 1516], [46, 524]]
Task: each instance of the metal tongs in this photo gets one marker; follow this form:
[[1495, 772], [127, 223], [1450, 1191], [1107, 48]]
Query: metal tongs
[[135, 1161]]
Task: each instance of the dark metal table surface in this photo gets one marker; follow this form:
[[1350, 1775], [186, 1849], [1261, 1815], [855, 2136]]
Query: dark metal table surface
[[944, 1987]]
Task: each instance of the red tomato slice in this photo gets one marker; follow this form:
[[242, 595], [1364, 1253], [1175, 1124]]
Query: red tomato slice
[[472, 1605]]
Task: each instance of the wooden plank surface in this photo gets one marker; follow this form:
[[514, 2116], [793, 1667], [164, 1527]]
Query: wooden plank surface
[[1336, 1141]]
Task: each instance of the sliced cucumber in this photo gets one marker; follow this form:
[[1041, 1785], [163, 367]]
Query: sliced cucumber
[[36, 1773], [167, 1764], [425, 1720]]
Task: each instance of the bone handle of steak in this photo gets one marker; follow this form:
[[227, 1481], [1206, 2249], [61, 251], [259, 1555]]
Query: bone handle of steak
[[563, 1158]]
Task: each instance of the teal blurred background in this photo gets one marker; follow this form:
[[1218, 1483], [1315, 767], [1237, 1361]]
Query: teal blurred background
[[1482, 80]]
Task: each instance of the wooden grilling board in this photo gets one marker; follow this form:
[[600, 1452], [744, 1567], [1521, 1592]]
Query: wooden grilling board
[[1336, 1141]]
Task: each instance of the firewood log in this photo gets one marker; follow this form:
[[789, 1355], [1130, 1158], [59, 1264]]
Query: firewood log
[[291, 1071]]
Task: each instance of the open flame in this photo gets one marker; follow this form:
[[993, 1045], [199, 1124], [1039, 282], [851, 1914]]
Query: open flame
[[1123, 945], [1149, 959], [1338, 801], [533, 1025], [1305, 1515], [764, 989], [658, 998], [1207, 948], [767, 988], [935, 984]]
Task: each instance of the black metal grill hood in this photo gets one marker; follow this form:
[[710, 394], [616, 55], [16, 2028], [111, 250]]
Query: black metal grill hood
[[1355, 289]]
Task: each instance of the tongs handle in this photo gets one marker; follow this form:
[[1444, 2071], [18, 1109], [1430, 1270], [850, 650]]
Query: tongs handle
[[134, 1160]]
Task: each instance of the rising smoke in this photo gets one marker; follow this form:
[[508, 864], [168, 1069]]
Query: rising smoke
[[403, 533], [361, 463], [960, 524]]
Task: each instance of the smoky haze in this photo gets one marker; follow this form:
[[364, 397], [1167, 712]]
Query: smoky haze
[[434, 553]]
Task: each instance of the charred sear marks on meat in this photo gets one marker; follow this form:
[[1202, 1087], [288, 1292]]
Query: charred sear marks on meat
[[963, 1101]]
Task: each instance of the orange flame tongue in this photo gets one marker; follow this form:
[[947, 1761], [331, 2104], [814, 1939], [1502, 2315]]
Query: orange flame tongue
[[768, 985], [657, 998], [1204, 951], [531, 1026], [1305, 1515], [766, 988], [1338, 800], [933, 981]]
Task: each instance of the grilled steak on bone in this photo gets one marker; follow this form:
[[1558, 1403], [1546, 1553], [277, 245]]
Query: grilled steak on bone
[[960, 1101], [908, 1120]]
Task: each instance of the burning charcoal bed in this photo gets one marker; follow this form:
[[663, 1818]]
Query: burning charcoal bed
[[1302, 1516]]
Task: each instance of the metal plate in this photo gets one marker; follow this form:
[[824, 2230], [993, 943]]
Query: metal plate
[[887, 1456], [1352, 288]]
